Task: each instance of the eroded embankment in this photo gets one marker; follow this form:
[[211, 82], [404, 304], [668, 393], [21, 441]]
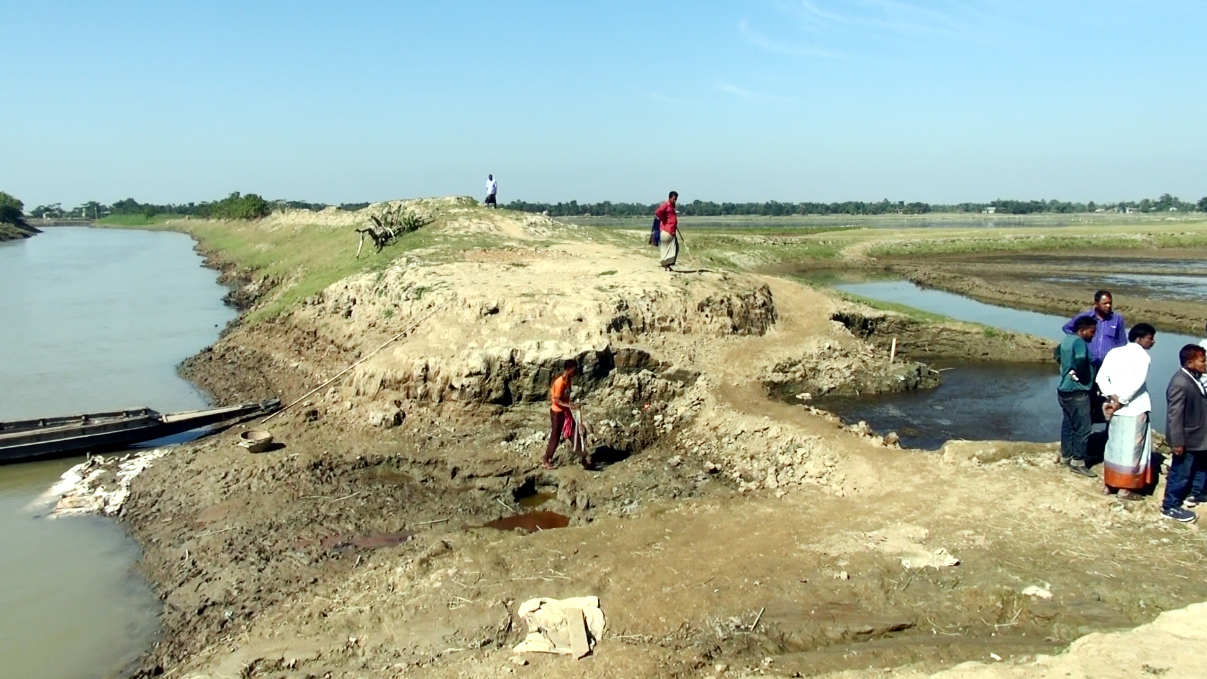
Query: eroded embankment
[[722, 528], [943, 341]]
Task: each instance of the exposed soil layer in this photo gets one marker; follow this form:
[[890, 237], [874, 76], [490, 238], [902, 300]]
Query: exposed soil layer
[[722, 527]]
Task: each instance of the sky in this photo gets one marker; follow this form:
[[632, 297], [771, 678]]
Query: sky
[[749, 100]]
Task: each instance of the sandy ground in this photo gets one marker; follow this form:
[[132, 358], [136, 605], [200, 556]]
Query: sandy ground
[[725, 532]]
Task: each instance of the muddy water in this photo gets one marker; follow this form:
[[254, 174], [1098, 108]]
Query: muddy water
[[986, 401], [530, 522], [90, 319]]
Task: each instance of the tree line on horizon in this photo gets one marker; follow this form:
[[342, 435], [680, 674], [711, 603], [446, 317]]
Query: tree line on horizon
[[253, 206], [774, 208]]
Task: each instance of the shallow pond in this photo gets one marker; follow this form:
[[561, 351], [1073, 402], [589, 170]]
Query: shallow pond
[[985, 401], [93, 319]]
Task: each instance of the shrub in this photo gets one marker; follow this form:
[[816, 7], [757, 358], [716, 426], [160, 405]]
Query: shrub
[[11, 210]]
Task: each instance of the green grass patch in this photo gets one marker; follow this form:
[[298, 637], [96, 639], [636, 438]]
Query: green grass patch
[[303, 260]]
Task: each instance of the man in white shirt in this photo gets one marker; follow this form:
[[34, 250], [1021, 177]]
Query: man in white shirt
[[492, 189], [1122, 379]]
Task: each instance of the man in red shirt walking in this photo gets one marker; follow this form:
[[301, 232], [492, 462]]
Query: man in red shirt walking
[[668, 245]]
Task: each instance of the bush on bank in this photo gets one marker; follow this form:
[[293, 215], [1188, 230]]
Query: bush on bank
[[11, 210]]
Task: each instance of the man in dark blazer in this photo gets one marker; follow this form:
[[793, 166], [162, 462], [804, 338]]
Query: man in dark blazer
[[1186, 428]]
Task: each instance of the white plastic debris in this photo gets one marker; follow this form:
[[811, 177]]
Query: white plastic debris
[[565, 627], [941, 558], [1037, 591]]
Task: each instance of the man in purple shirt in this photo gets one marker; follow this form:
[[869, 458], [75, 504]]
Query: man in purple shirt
[[1111, 333]]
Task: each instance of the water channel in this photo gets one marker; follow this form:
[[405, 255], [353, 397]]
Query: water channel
[[90, 319], [1015, 402]]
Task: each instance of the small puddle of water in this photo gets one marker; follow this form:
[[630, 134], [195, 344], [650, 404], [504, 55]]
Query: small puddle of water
[[531, 522]]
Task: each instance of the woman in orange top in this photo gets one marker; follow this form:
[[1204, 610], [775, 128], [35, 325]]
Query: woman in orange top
[[559, 409]]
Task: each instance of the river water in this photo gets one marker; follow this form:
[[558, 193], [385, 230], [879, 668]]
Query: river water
[[1014, 402], [90, 319]]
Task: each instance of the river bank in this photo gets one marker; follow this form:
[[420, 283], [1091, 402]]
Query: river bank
[[724, 527], [14, 232]]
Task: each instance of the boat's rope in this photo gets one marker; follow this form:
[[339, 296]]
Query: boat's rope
[[362, 360]]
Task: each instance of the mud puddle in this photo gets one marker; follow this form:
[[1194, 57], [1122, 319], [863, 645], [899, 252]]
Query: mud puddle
[[530, 522]]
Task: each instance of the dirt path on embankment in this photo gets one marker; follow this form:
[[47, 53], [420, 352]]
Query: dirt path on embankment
[[725, 532]]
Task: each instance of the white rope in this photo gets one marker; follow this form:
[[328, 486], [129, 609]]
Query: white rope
[[362, 360]]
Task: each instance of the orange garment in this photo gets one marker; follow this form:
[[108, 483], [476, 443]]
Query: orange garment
[[559, 392]]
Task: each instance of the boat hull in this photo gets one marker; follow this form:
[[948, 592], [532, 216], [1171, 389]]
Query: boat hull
[[31, 440]]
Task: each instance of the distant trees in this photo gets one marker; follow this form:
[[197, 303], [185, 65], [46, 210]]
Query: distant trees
[[236, 206], [774, 208], [252, 206], [12, 211], [698, 208], [52, 211]]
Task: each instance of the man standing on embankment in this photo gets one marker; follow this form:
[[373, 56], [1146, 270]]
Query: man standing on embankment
[[492, 191], [1111, 331], [668, 246], [1123, 380], [1073, 392], [1186, 430]]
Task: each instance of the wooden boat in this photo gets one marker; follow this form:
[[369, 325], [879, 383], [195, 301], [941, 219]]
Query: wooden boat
[[98, 432]]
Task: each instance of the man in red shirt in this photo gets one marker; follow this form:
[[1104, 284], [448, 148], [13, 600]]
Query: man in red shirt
[[560, 408], [668, 246]]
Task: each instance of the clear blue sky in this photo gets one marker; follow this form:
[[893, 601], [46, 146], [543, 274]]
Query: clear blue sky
[[822, 100]]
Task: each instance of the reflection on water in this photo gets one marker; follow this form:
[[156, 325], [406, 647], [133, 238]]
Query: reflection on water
[[93, 319], [983, 401]]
